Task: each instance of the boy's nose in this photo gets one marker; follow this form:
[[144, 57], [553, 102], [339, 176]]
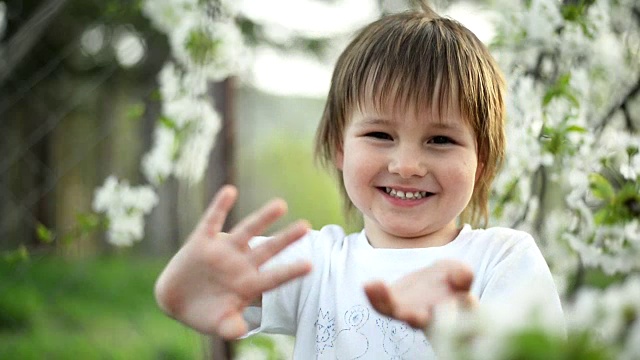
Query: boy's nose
[[407, 163]]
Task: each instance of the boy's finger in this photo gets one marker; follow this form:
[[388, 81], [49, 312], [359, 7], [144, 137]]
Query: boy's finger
[[268, 249], [460, 278], [232, 326], [270, 279], [467, 301], [259, 221], [380, 297], [416, 317], [217, 211]]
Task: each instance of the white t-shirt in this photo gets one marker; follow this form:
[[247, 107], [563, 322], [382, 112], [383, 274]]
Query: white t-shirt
[[328, 312]]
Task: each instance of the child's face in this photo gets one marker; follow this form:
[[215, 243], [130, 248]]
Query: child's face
[[410, 175]]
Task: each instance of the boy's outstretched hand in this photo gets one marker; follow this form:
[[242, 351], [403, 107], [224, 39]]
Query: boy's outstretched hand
[[215, 275], [413, 297]]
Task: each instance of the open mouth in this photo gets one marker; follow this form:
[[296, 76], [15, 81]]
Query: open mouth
[[406, 195]]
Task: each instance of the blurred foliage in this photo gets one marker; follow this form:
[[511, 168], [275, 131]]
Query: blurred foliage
[[264, 344], [93, 309], [66, 30], [540, 345], [285, 165]]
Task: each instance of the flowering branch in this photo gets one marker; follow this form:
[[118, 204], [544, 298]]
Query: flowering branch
[[207, 46]]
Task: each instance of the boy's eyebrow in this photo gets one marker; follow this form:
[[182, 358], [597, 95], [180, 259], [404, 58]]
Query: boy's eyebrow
[[449, 125], [376, 121]]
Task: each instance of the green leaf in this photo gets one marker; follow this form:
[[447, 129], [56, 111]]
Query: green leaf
[[534, 344], [88, 222], [576, 128], [561, 89], [15, 256], [156, 95], [168, 122], [601, 187], [136, 111], [201, 46], [601, 216], [627, 201], [44, 234]]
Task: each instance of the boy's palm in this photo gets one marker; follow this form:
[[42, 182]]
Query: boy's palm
[[413, 297], [215, 276]]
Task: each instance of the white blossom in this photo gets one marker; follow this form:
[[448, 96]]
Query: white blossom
[[124, 207], [632, 232], [212, 48], [630, 167], [632, 344], [483, 333], [182, 147], [187, 110], [125, 229], [166, 15], [606, 313], [196, 147], [176, 83], [170, 81], [157, 163]]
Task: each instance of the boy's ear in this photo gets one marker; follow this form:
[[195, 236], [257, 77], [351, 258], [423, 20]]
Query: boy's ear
[[339, 159]]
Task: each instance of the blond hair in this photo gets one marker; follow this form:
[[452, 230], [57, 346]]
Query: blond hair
[[422, 59]]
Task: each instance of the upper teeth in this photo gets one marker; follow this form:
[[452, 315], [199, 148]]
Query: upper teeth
[[405, 195]]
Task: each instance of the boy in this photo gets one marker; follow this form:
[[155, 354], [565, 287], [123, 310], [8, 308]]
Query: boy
[[413, 127]]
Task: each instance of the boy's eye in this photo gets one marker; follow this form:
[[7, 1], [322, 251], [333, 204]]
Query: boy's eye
[[441, 140], [379, 135]]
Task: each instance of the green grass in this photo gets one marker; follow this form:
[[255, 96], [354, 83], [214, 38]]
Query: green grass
[[92, 309]]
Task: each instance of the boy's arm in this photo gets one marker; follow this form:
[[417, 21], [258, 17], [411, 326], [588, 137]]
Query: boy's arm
[[413, 297], [215, 276]]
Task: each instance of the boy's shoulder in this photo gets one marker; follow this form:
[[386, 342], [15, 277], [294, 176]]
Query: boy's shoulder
[[499, 236], [329, 236], [501, 232]]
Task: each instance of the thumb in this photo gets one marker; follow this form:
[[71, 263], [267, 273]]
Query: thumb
[[460, 277]]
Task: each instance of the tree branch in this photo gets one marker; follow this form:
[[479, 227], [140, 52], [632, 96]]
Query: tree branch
[[627, 118], [26, 37], [633, 91]]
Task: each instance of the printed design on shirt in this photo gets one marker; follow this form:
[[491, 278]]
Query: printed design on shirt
[[325, 331], [428, 349], [350, 337], [398, 337]]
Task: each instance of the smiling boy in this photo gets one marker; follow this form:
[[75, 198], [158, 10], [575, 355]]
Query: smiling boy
[[414, 130]]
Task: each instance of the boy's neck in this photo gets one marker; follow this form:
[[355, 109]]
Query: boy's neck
[[378, 238]]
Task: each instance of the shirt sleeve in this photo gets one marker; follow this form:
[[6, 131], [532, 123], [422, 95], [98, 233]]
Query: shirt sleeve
[[278, 312]]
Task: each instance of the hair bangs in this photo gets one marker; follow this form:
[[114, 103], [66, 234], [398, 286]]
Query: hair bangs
[[410, 70]]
